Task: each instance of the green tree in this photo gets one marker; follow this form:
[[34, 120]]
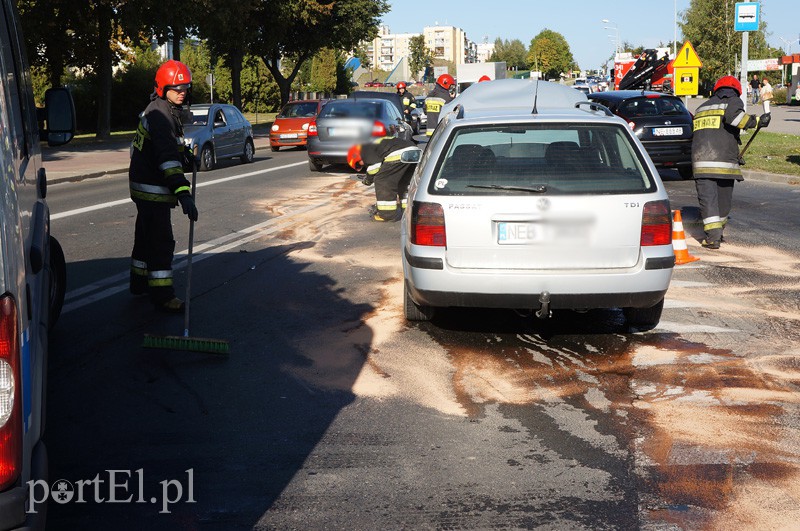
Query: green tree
[[550, 54], [512, 52], [420, 57], [709, 26], [323, 71], [297, 29]]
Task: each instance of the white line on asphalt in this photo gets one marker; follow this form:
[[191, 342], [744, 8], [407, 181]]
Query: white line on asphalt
[[109, 287], [110, 204], [689, 328]]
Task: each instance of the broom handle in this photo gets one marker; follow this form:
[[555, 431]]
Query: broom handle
[[189, 258]]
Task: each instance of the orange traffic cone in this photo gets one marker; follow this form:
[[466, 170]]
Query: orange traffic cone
[[682, 255]]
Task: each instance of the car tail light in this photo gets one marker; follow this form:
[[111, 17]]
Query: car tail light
[[10, 395], [632, 125], [312, 128], [656, 224], [653, 96], [378, 129], [427, 225]]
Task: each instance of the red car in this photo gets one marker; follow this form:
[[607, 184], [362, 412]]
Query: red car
[[291, 125]]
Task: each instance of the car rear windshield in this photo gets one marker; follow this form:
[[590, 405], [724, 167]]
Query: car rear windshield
[[299, 110], [351, 109], [658, 106], [543, 159]]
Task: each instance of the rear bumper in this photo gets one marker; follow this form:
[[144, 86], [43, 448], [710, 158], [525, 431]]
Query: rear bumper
[[13, 502], [669, 152], [432, 283], [330, 152]]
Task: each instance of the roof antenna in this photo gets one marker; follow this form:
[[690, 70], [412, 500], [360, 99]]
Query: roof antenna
[[535, 97]]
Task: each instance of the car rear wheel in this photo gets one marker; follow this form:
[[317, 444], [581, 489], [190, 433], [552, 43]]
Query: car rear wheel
[[58, 281], [314, 165], [249, 151], [207, 158], [414, 311], [644, 318]]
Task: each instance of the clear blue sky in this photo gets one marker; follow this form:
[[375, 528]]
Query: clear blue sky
[[640, 22]]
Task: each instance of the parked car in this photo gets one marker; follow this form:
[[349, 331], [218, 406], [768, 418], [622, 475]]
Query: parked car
[[218, 131], [290, 127], [559, 209], [659, 120], [33, 276], [392, 97], [344, 123], [422, 118]]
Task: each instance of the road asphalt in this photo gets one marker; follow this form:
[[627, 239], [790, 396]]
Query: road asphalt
[[78, 161]]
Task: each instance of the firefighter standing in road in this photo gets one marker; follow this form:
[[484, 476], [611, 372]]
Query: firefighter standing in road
[[437, 98], [157, 184], [408, 101], [384, 167], [715, 154]]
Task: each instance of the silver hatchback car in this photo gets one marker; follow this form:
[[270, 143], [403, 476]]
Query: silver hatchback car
[[218, 131], [528, 196]]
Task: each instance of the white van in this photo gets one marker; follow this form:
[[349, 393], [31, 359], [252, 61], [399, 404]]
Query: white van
[[32, 273]]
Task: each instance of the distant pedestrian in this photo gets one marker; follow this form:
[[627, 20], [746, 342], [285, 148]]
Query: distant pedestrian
[[158, 184], [715, 154], [766, 94], [755, 88]]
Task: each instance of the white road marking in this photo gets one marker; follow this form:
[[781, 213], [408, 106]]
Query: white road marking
[[118, 202], [691, 328], [109, 286]]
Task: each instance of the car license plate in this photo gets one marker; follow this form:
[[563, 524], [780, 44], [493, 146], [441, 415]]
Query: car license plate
[[343, 132], [515, 233], [667, 131], [289, 135]]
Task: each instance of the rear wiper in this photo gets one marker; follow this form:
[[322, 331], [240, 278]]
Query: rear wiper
[[540, 189]]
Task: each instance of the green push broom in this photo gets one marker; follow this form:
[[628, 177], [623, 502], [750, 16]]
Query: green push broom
[[185, 342]]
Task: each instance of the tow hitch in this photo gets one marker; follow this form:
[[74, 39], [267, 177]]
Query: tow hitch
[[544, 311]]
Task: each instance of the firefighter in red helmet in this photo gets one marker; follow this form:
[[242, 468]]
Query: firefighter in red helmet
[[715, 154], [382, 161], [157, 182], [407, 99], [437, 98]]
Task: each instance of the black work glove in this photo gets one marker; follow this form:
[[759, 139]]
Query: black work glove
[[764, 119], [368, 180], [188, 206]]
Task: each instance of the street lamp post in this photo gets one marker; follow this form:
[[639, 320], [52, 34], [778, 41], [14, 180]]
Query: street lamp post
[[616, 31]]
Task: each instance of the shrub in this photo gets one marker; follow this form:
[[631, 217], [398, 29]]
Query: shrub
[[779, 96]]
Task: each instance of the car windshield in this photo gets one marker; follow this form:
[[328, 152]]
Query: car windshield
[[638, 107], [541, 159], [345, 109], [299, 110]]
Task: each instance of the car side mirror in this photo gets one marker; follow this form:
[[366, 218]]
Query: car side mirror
[[59, 114], [411, 156]]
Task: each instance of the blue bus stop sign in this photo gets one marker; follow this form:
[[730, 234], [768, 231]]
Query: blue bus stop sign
[[747, 16]]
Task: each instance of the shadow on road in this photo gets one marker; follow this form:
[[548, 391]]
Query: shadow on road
[[228, 433]]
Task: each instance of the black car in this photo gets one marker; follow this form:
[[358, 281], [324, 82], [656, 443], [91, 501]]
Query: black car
[[661, 122]]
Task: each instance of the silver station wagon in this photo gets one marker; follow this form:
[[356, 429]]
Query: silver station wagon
[[529, 196]]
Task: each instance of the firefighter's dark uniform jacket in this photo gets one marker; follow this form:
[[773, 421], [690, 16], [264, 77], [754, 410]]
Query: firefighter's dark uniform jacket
[[715, 158], [715, 147], [156, 177], [436, 99], [391, 176], [409, 103]]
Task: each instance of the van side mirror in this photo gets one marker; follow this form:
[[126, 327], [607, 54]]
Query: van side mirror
[[59, 112]]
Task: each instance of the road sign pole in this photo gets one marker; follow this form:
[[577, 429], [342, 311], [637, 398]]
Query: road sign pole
[[743, 75]]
